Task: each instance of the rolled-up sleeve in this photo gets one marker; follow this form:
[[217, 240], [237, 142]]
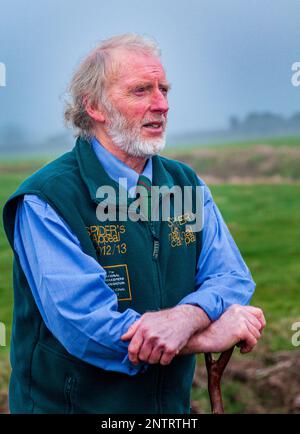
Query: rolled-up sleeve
[[222, 277]]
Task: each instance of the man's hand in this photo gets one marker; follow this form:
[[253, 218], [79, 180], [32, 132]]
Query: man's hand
[[241, 325], [159, 336]]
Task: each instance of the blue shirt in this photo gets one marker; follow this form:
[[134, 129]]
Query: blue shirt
[[80, 309]]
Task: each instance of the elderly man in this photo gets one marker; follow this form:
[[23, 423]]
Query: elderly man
[[109, 314]]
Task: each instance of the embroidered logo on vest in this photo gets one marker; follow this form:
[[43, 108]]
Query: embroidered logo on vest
[[179, 233]]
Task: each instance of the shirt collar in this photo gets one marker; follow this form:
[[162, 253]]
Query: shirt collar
[[94, 175], [116, 169]]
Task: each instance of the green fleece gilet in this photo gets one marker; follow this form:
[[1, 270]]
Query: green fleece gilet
[[150, 265]]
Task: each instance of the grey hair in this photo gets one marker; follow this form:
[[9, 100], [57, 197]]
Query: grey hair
[[91, 77]]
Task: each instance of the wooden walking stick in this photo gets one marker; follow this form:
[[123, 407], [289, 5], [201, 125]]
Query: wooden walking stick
[[215, 369]]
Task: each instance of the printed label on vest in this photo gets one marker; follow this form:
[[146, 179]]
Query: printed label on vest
[[107, 239], [117, 278]]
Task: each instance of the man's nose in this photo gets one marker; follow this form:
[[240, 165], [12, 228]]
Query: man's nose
[[159, 102]]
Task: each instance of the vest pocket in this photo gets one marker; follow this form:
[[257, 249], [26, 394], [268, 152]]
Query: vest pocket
[[69, 392]]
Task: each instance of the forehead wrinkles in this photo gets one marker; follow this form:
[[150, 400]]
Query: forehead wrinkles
[[129, 67]]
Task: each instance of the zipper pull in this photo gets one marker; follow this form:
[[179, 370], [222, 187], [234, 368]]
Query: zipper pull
[[155, 249]]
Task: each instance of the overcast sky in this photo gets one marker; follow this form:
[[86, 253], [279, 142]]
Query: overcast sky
[[223, 58]]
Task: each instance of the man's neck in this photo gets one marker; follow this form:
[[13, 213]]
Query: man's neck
[[135, 163]]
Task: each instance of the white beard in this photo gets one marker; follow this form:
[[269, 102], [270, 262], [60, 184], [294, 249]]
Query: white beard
[[128, 138]]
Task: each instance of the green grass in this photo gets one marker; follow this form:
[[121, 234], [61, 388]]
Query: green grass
[[264, 221], [242, 161], [231, 392], [273, 141], [291, 141]]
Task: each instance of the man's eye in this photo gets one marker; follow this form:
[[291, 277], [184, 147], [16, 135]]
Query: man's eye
[[140, 89], [164, 90]]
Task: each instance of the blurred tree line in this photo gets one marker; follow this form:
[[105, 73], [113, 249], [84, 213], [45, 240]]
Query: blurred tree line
[[265, 122]]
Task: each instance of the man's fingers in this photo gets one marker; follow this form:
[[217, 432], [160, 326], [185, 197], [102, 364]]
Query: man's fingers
[[258, 313], [155, 356], [135, 346], [167, 357], [248, 343], [254, 331], [131, 331], [246, 349], [254, 321], [145, 351]]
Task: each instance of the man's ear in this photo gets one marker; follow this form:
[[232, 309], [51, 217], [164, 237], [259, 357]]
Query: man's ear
[[94, 112]]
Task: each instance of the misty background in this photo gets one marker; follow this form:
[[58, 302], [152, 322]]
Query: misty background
[[229, 64]]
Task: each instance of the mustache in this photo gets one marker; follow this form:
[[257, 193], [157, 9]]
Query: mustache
[[160, 118]]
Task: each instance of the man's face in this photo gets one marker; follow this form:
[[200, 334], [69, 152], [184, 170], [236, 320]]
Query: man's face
[[137, 104]]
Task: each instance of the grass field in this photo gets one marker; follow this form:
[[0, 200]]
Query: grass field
[[291, 141], [264, 221]]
